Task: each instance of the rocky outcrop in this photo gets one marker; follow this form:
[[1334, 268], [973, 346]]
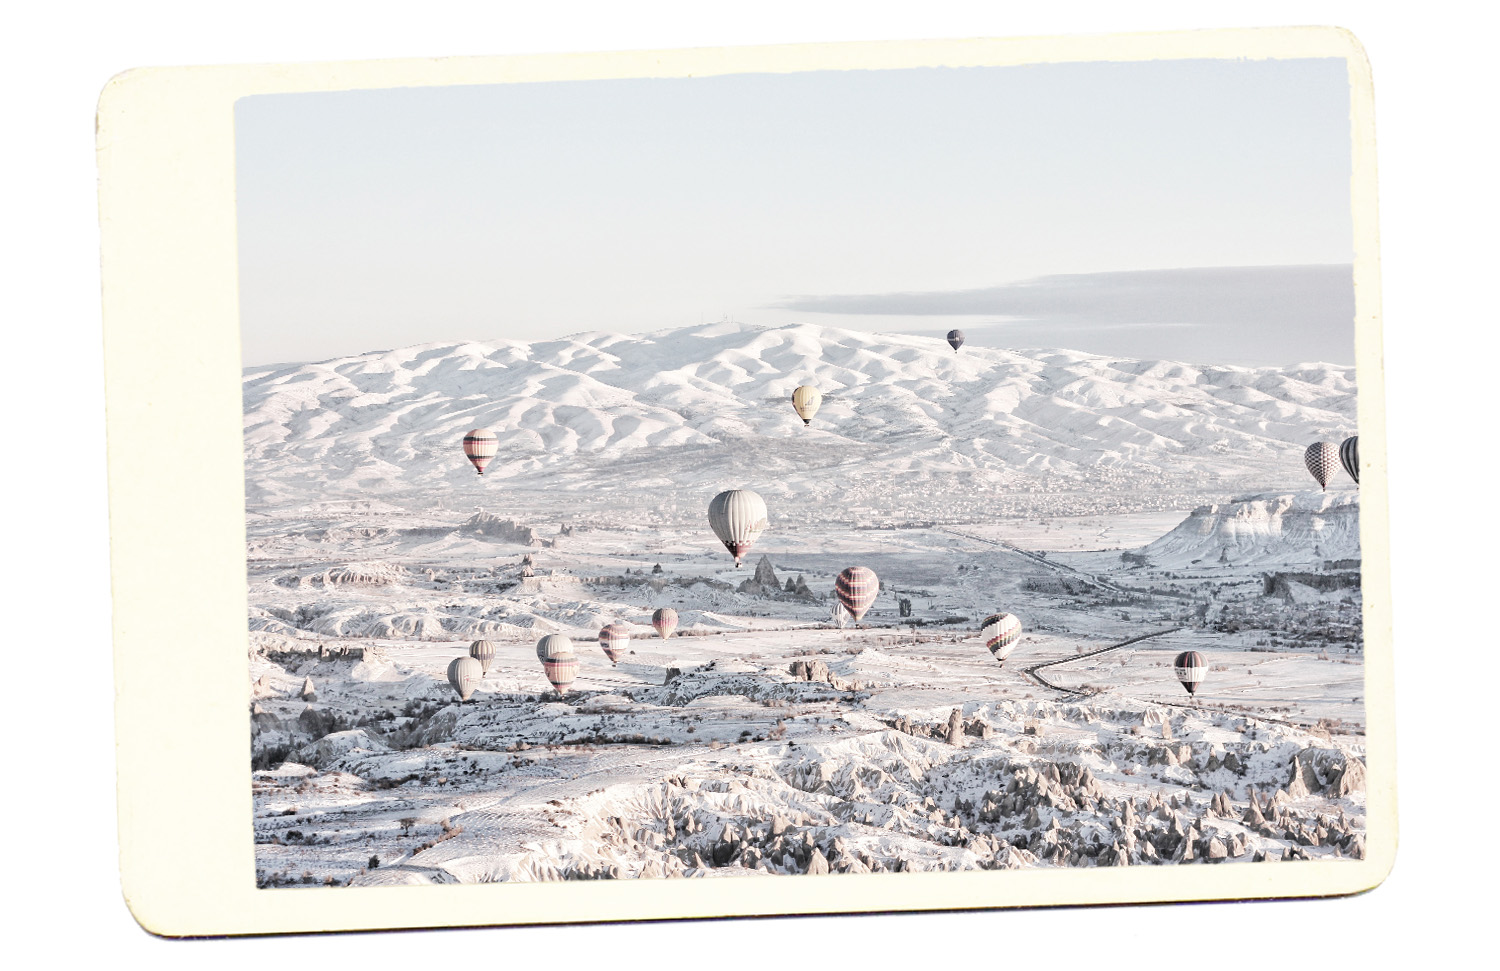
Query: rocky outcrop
[[1306, 526], [500, 530], [1327, 772]]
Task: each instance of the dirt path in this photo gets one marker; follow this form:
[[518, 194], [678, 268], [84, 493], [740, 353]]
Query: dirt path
[[1033, 672]]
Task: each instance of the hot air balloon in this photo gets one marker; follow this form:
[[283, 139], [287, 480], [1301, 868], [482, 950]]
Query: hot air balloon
[[1190, 668], [737, 517], [465, 673], [1349, 455], [613, 639], [806, 400], [484, 653], [553, 644], [665, 622], [562, 670], [956, 338], [480, 445], [856, 589], [1000, 633], [558, 660], [1322, 459]]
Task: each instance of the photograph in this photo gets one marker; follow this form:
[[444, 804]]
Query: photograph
[[803, 472]]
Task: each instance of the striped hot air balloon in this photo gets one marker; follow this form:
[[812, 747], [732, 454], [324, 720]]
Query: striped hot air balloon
[[1190, 668], [665, 622], [1349, 455], [613, 639], [558, 660], [484, 653], [465, 673], [806, 400], [737, 517], [562, 671], [956, 338], [1322, 460], [1000, 633], [553, 644], [480, 445], [856, 589]]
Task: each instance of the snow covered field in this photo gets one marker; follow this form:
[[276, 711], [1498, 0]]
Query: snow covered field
[[1098, 500]]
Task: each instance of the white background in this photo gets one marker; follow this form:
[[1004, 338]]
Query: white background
[[1435, 115]]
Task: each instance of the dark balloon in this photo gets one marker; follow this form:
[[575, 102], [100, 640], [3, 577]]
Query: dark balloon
[[856, 588], [1349, 455], [1190, 668], [1322, 459], [956, 338]]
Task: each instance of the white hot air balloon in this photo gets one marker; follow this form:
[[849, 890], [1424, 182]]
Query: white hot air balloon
[[553, 644], [806, 400], [484, 653], [465, 674], [1000, 633], [737, 517]]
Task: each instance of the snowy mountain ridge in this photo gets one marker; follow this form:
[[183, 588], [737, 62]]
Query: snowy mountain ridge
[[704, 406]]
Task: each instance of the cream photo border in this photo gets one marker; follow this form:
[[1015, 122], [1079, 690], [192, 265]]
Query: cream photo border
[[166, 154]]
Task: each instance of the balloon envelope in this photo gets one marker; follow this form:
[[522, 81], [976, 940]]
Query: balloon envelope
[[613, 639], [856, 588], [480, 445], [665, 622], [1322, 460], [956, 338], [1000, 633], [1190, 668], [465, 673], [737, 517], [561, 670], [1349, 455], [806, 400], [551, 645], [484, 653]]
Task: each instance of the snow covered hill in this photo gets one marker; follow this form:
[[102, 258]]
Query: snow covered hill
[[1315, 526], [701, 408]]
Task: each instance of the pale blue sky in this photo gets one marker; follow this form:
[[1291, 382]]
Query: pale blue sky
[[374, 219]]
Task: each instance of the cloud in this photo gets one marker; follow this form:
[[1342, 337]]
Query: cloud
[[1251, 315]]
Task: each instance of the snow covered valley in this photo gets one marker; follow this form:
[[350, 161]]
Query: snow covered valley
[[1100, 501]]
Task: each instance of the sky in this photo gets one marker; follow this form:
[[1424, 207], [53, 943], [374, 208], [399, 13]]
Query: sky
[[1191, 209]]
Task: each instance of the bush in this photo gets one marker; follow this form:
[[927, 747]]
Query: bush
[[374, 862]]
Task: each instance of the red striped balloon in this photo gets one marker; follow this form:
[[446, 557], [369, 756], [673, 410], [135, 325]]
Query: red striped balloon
[[857, 588], [613, 639], [561, 670], [480, 445], [665, 622]]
